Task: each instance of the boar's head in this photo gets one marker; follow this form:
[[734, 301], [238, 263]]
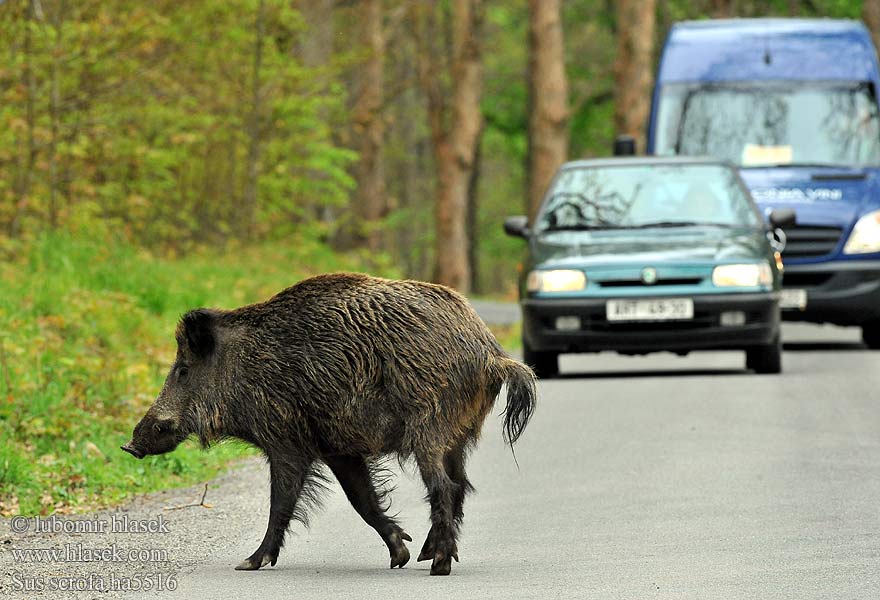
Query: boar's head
[[172, 417]]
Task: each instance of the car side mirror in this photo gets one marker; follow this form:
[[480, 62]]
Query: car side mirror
[[782, 217], [517, 226]]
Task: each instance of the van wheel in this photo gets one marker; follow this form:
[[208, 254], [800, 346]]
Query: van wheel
[[871, 335], [766, 359], [544, 364]]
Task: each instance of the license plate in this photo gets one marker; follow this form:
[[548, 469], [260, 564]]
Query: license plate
[[650, 310], [793, 299]]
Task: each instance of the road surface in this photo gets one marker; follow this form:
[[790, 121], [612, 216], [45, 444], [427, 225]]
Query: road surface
[[645, 477]]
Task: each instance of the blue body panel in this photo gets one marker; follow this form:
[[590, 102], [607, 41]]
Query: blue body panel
[[742, 51], [734, 50]]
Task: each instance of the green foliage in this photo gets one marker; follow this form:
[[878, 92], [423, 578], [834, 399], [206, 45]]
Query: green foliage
[[86, 327], [155, 119]]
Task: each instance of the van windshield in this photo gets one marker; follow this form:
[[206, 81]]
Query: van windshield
[[776, 124], [652, 195]]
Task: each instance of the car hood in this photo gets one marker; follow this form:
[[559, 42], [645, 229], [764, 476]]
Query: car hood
[[698, 244], [827, 196]]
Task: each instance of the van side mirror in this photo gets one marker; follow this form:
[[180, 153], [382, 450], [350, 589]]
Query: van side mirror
[[782, 217], [517, 226], [624, 145]]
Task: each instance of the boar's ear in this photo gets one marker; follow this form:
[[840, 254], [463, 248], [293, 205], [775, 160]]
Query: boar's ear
[[199, 332]]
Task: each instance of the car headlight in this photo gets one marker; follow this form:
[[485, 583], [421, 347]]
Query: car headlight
[[750, 275], [865, 236], [558, 280]]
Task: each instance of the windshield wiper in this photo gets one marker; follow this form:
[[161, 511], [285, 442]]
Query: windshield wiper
[[803, 165], [677, 224], [583, 227]]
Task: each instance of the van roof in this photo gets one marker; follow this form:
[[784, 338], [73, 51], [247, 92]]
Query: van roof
[[768, 49]]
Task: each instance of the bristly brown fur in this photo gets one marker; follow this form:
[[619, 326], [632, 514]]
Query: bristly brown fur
[[344, 369]]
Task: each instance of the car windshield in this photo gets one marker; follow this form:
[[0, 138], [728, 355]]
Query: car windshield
[[646, 196], [772, 124]]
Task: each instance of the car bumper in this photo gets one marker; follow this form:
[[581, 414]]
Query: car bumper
[[839, 292], [703, 332]]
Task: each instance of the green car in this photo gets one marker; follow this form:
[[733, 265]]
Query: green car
[[640, 255]]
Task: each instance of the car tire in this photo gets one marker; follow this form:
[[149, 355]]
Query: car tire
[[544, 364], [765, 359], [871, 335]]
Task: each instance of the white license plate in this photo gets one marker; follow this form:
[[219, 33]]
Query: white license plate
[[793, 299], [650, 310]]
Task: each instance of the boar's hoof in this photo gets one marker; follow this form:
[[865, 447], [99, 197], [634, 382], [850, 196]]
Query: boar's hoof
[[397, 549], [256, 561], [442, 564], [399, 556]]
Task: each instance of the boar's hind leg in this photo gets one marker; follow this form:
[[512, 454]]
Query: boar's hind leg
[[454, 462], [288, 479], [357, 482], [442, 494]]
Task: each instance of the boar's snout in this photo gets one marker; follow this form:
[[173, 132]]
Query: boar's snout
[[154, 435], [130, 448]]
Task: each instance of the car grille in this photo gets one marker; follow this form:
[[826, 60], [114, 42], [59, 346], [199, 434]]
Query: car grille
[[805, 241], [615, 283]]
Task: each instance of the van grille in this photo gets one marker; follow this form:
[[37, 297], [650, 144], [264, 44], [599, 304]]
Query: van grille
[[804, 241]]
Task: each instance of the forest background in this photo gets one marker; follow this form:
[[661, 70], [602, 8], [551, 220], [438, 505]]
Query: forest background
[[159, 156]]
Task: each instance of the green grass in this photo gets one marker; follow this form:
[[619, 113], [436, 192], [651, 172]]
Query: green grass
[[86, 337]]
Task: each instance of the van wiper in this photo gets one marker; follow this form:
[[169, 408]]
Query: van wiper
[[802, 165], [677, 224]]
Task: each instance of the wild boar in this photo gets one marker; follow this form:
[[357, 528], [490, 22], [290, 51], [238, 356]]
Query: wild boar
[[343, 369]]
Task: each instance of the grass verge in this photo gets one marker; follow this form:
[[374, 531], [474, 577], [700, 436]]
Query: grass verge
[[86, 337]]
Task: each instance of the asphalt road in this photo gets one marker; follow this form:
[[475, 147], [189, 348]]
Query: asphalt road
[[645, 477]]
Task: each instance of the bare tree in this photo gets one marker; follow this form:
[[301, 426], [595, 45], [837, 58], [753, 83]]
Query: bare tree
[[871, 17], [633, 67], [316, 52], [548, 99], [455, 122], [369, 128], [254, 128], [27, 159]]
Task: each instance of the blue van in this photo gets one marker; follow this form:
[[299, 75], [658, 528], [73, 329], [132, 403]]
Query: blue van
[[793, 103]]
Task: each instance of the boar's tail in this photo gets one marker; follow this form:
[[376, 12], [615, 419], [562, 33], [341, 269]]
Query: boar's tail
[[521, 396]]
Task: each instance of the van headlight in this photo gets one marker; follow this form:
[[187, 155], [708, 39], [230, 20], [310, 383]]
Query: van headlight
[[865, 236], [747, 275], [557, 280]]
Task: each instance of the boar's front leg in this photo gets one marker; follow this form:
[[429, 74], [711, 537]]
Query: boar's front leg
[[288, 478]]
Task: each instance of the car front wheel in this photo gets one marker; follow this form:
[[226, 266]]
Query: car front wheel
[[544, 364], [871, 335], [765, 359]]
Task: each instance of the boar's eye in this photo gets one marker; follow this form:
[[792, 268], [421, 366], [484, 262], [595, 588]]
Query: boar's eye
[[164, 426], [182, 373]]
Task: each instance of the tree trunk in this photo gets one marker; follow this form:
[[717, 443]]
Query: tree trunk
[[54, 113], [316, 52], [455, 128], [472, 222], [369, 130], [25, 175], [633, 67], [722, 9], [254, 130], [548, 99], [871, 17]]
